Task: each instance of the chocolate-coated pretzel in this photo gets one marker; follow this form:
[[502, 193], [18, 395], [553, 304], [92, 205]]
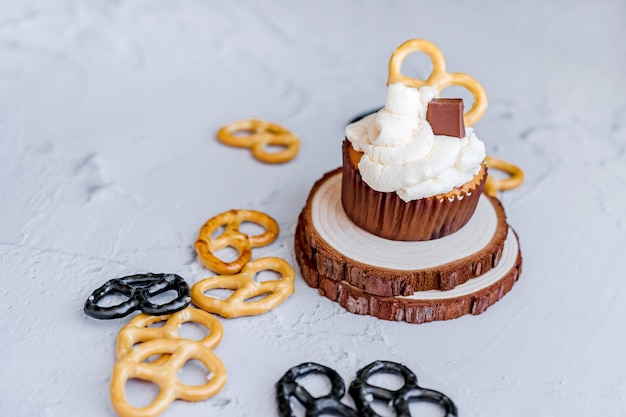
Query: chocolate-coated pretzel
[[139, 289], [363, 393], [327, 405]]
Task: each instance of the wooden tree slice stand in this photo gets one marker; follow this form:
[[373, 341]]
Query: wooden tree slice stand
[[417, 282]]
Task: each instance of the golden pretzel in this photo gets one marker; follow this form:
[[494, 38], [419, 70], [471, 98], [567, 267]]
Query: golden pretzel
[[133, 365], [138, 330], [231, 237], [257, 135], [245, 287], [439, 78], [493, 185]]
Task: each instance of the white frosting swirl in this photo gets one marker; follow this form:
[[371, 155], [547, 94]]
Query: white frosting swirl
[[402, 154]]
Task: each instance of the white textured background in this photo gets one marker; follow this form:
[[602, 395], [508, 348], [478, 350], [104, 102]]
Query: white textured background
[[108, 167]]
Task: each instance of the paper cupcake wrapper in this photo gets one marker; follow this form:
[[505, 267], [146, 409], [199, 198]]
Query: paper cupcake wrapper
[[388, 216]]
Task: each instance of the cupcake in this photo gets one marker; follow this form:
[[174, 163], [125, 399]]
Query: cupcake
[[412, 171]]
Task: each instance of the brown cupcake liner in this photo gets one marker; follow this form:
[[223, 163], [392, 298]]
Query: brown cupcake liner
[[388, 216]]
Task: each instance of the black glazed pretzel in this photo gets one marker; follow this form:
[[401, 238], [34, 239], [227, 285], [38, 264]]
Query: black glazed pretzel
[[362, 115], [327, 405], [363, 393], [139, 289]]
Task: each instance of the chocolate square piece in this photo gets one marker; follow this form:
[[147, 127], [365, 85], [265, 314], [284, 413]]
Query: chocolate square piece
[[445, 116]]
